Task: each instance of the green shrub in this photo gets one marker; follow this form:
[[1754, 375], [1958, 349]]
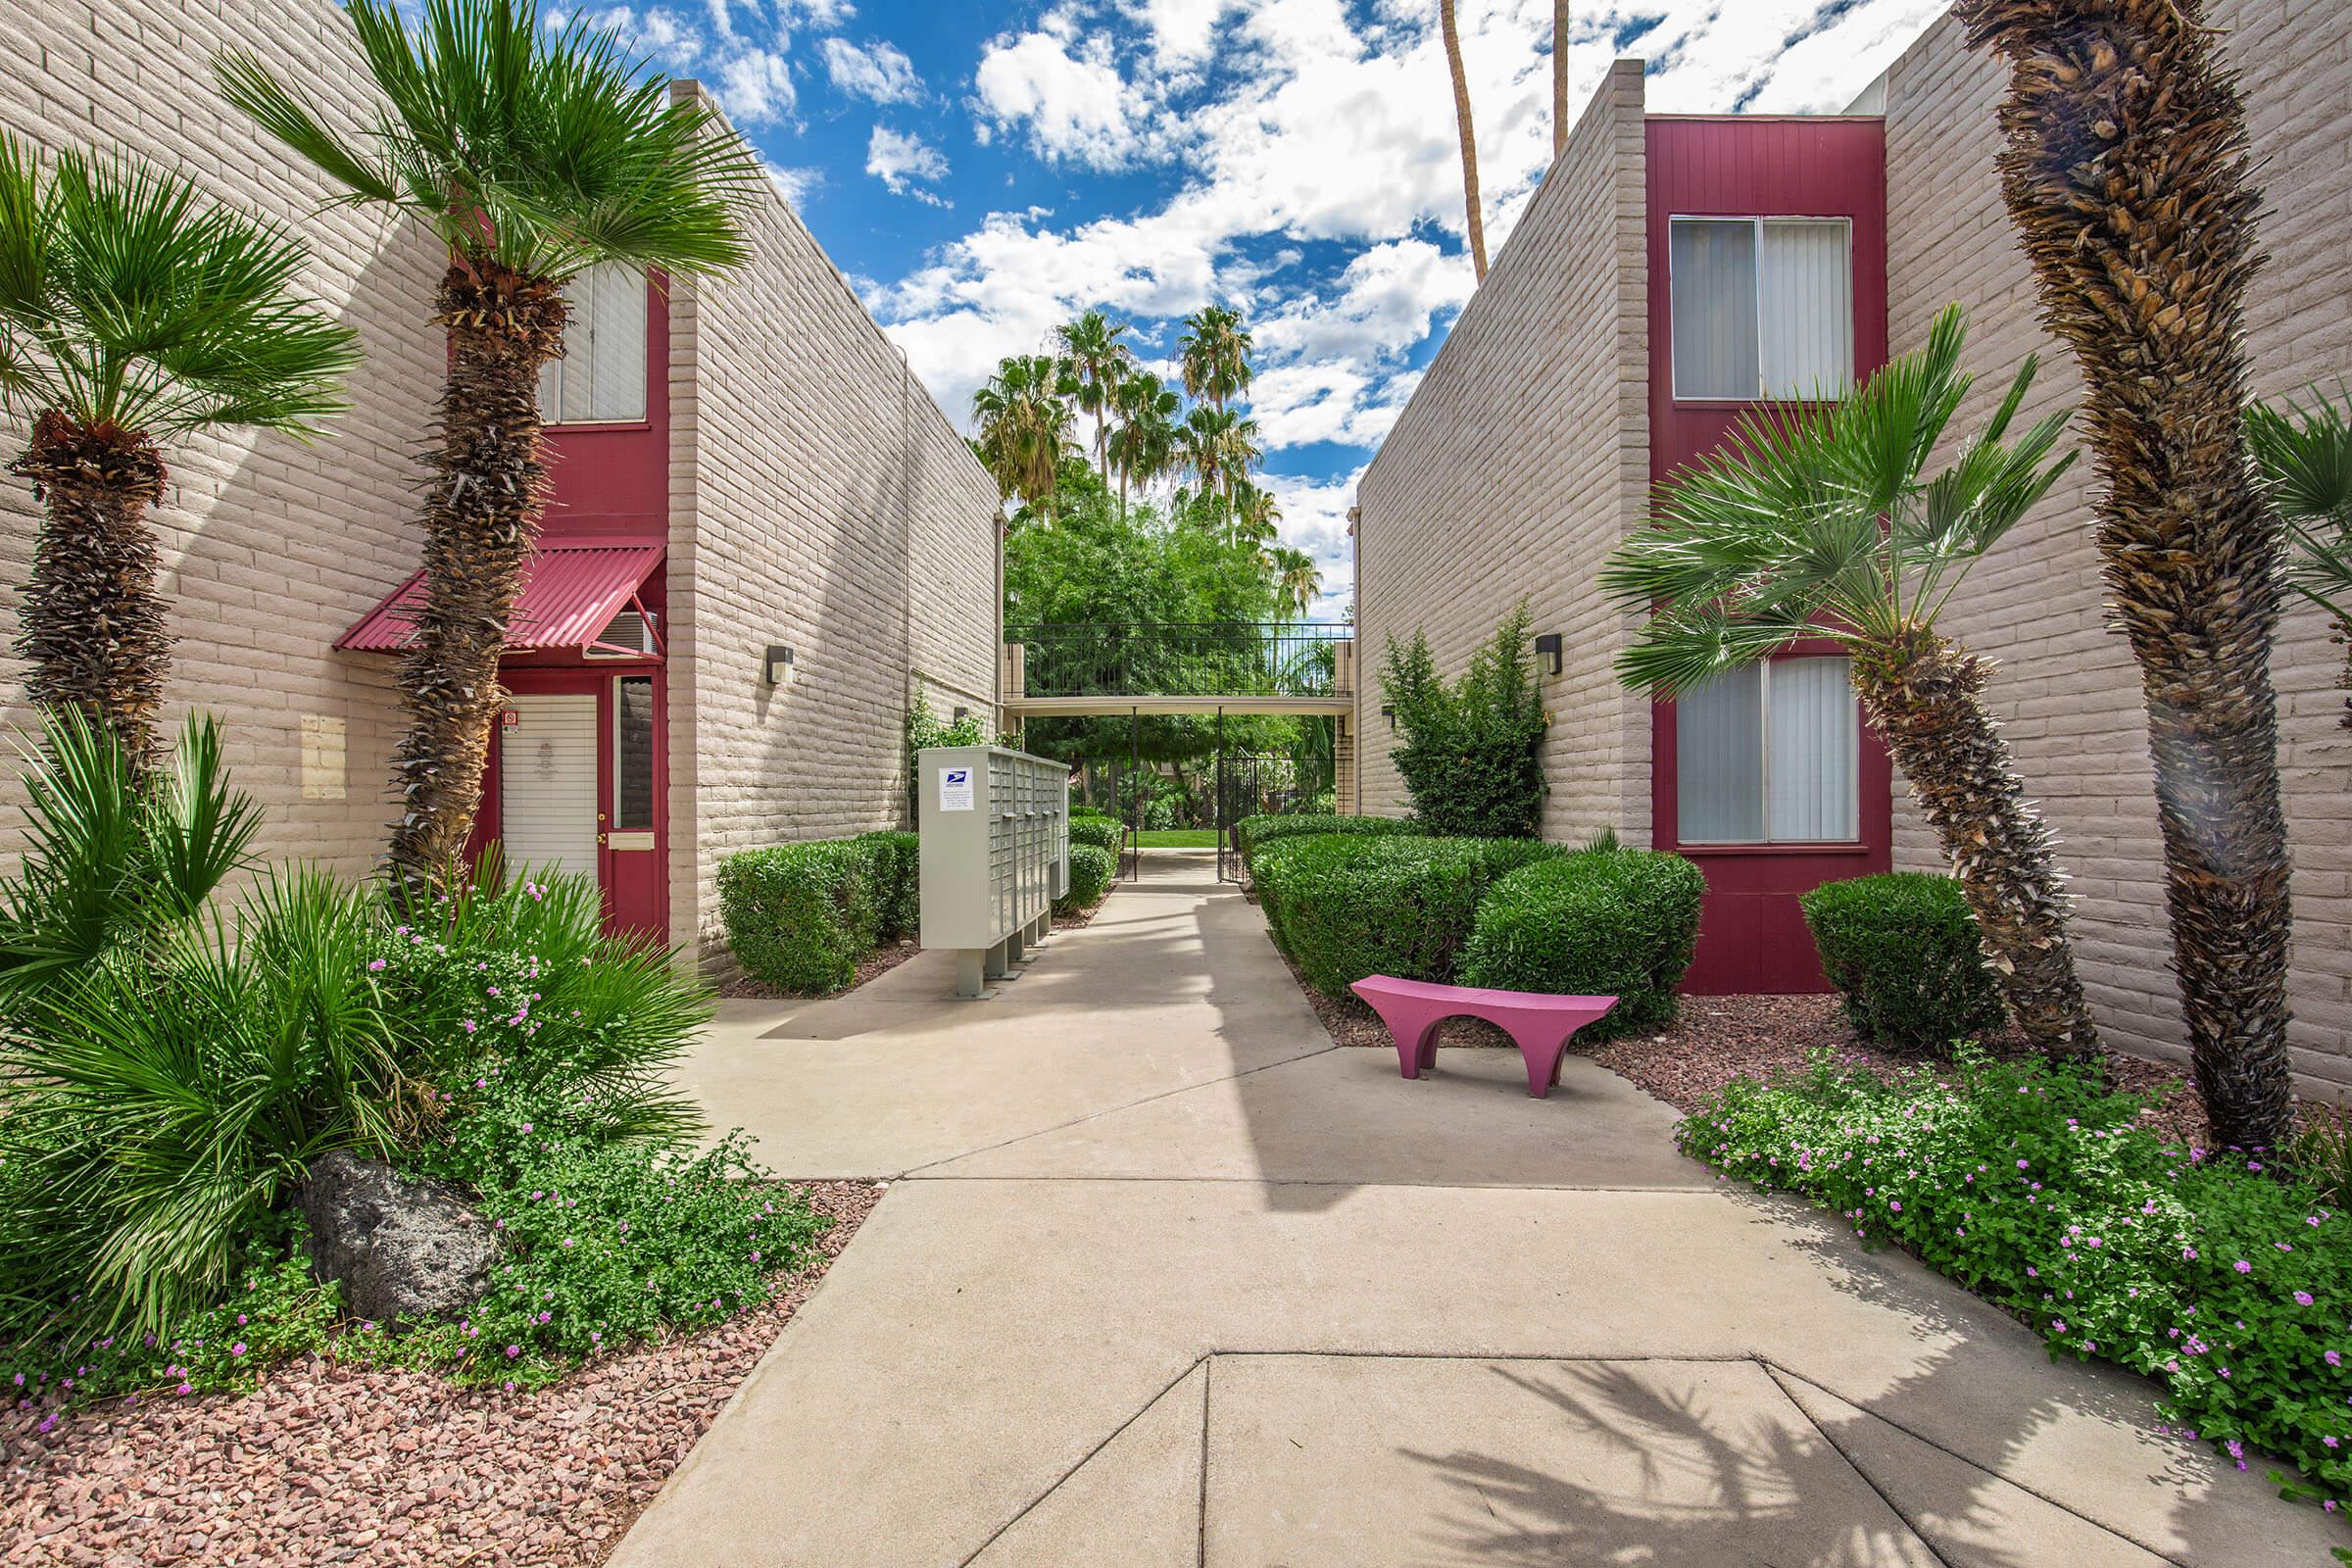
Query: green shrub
[[898, 863], [1100, 831], [1251, 832], [1347, 906], [1470, 753], [800, 916], [1598, 922], [1902, 950], [1092, 869], [2038, 1187]]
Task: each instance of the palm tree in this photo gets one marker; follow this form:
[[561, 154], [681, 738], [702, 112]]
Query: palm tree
[[1254, 513], [1295, 578], [1817, 522], [1469, 138], [132, 312], [1559, 76], [2305, 455], [1220, 447], [1214, 353], [1023, 417], [2127, 173], [532, 154], [1098, 361], [1143, 446]]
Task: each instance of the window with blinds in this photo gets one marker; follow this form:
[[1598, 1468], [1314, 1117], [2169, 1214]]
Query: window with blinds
[[601, 378], [1769, 754], [1762, 307]]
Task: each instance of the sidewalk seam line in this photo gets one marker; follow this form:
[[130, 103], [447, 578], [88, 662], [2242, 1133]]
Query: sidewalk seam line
[[1901, 1514]]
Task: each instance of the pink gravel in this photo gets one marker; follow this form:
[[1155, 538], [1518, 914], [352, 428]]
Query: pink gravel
[[332, 1464]]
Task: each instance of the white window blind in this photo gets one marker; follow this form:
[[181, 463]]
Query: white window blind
[[601, 378], [1768, 755], [1762, 307], [1807, 288], [1714, 302]]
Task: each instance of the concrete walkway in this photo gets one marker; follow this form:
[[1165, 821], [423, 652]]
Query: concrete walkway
[[1165, 1278]]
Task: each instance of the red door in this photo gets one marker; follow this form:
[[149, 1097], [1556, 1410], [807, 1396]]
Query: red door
[[577, 779]]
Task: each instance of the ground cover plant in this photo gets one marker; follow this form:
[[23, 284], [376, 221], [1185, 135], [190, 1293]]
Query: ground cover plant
[[170, 1068], [1903, 952], [1345, 906], [2225, 1275], [1596, 922]]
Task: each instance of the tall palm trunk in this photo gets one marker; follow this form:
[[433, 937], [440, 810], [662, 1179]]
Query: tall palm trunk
[[1925, 697], [2126, 172], [1469, 136], [480, 516], [92, 628], [1559, 78]]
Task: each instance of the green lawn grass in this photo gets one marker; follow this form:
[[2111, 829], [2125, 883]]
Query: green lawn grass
[[1178, 838]]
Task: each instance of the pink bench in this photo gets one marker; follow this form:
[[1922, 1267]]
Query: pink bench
[[1541, 1024]]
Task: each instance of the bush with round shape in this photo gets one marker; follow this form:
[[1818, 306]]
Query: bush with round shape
[[1092, 869], [1902, 950], [800, 916], [1598, 922], [1100, 831], [898, 864], [1347, 906]]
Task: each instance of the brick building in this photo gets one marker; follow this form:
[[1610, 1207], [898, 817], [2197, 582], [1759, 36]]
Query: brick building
[[1670, 271], [742, 464]]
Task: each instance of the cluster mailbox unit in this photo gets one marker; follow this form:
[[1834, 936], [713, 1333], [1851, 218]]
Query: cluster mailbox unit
[[996, 854]]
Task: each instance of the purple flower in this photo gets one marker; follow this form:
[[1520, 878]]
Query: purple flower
[[237, 1348], [2302, 1298], [2243, 1266], [375, 964]]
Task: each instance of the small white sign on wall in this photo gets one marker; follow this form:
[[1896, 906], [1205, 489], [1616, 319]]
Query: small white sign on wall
[[955, 788]]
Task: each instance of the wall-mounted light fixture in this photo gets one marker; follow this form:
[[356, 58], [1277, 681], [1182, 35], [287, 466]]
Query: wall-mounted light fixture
[[1547, 652], [775, 669], [1390, 714], [961, 713]]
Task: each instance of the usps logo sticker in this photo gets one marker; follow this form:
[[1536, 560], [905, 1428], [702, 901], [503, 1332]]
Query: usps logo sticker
[[955, 788]]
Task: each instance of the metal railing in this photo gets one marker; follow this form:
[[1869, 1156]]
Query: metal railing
[[1229, 659]]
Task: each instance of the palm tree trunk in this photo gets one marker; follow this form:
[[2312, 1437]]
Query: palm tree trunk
[[2127, 173], [481, 513], [1925, 697], [93, 627], [1469, 138], [1559, 78]]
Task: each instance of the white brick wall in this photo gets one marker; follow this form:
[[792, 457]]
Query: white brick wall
[[1521, 460], [818, 499], [2068, 690], [271, 548]]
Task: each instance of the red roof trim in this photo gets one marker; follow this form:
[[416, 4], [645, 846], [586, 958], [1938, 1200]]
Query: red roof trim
[[570, 594]]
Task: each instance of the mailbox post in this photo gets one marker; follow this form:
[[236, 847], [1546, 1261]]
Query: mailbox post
[[996, 854]]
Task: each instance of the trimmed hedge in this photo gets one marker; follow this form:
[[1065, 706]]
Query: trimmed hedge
[[1596, 922], [1099, 831], [801, 916], [1347, 906], [1253, 832], [899, 862], [1092, 869], [1903, 952]]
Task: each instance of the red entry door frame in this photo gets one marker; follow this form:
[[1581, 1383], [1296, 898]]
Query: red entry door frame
[[634, 882]]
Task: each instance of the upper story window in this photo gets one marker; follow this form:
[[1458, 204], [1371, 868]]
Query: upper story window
[[1763, 306], [601, 378], [1770, 754]]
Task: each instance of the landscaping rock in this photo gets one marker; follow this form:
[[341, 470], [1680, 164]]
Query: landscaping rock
[[402, 1248]]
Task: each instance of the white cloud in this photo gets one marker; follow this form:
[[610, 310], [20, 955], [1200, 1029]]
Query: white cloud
[[1315, 520], [902, 160], [756, 87], [793, 184], [1060, 81], [878, 71]]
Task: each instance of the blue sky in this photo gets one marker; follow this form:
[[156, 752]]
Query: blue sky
[[984, 171]]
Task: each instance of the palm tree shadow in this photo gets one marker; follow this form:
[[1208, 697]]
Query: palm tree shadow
[[1667, 1483]]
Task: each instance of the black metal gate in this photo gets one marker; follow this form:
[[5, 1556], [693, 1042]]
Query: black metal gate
[[1254, 785]]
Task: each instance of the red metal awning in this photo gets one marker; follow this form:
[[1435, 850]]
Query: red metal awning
[[570, 594]]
